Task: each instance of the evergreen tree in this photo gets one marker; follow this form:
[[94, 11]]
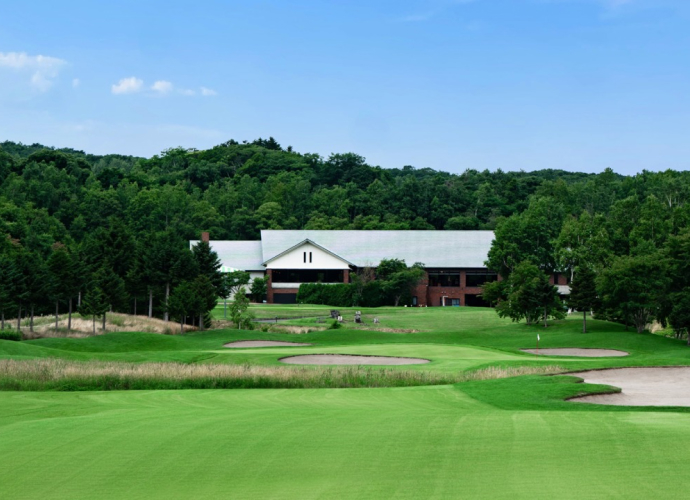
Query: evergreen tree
[[168, 261], [680, 314], [206, 293], [8, 273], [184, 302], [583, 293], [93, 304], [37, 283], [208, 263], [112, 287], [59, 271]]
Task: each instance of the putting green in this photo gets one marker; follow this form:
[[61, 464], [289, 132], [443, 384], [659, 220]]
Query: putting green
[[424, 442], [447, 358]]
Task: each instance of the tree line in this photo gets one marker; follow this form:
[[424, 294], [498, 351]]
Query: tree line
[[128, 220], [627, 263]]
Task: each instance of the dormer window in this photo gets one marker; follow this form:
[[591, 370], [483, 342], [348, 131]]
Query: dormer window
[[310, 257], [305, 257]]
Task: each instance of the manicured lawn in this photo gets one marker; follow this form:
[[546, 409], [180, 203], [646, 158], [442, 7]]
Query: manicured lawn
[[510, 438]]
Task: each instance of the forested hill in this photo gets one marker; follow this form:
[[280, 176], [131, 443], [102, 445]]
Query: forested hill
[[235, 189]]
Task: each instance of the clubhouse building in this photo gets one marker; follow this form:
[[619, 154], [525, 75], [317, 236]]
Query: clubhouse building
[[453, 260]]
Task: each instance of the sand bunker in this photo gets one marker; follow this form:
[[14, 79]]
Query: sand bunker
[[641, 386], [577, 352], [350, 359], [262, 343]]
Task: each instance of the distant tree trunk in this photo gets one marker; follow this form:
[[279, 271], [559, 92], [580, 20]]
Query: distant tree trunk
[[31, 322], [167, 294], [3, 319], [545, 316], [19, 317], [397, 299], [104, 320], [94, 323], [69, 316], [79, 299], [584, 321], [225, 310], [150, 303], [181, 326], [57, 307], [135, 305], [201, 322]]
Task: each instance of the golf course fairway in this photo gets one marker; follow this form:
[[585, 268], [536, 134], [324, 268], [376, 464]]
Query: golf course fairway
[[506, 438]]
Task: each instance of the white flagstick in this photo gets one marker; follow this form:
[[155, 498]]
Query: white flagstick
[[537, 344]]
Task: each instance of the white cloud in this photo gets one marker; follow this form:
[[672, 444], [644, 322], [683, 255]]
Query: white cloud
[[208, 92], [76, 82], [127, 85], [162, 86], [187, 92], [44, 69]]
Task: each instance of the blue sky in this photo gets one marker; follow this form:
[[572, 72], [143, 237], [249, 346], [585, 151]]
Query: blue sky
[[513, 84]]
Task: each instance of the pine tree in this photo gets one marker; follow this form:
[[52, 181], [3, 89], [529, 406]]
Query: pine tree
[[59, 272], [7, 274], [206, 292], [112, 287], [583, 293], [93, 304], [184, 302], [208, 263]]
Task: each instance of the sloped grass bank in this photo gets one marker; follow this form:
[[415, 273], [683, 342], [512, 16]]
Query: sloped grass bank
[[63, 375]]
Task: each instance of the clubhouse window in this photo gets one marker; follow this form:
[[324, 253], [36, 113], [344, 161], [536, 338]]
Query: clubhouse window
[[444, 279], [479, 278]]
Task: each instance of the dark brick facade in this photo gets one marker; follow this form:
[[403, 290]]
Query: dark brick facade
[[432, 296], [427, 296]]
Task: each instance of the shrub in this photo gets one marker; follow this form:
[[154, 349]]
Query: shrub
[[336, 295], [10, 335], [335, 325]]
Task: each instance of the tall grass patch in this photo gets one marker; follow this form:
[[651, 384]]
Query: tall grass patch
[[63, 375]]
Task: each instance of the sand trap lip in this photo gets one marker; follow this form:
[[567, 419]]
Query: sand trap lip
[[654, 386], [350, 359], [262, 343], [580, 352]]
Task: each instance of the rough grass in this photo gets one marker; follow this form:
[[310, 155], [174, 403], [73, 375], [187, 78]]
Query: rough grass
[[63, 375], [44, 326]]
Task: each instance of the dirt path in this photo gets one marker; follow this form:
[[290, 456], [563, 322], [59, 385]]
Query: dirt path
[[641, 386], [350, 359]]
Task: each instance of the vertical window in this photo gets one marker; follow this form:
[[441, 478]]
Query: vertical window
[[414, 301], [310, 257], [305, 257]]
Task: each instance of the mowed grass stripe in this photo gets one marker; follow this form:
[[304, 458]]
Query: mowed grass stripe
[[360, 443]]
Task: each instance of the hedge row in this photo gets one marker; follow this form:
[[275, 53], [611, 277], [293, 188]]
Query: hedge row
[[347, 295]]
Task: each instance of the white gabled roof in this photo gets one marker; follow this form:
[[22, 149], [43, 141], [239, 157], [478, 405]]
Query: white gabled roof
[[442, 249], [303, 242]]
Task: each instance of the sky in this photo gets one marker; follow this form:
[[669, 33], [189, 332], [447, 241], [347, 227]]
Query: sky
[[579, 85]]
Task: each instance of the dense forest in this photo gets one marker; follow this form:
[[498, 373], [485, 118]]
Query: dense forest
[[126, 221]]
